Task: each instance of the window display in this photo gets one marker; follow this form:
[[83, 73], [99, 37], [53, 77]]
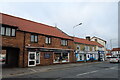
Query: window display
[[61, 57]]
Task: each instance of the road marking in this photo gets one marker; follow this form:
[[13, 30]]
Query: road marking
[[87, 73], [111, 68], [33, 70], [95, 71]]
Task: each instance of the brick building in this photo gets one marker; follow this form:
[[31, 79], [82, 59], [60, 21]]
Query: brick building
[[85, 50], [28, 43]]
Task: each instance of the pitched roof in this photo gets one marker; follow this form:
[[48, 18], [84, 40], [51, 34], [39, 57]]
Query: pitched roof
[[98, 38], [116, 49], [31, 26], [84, 41]]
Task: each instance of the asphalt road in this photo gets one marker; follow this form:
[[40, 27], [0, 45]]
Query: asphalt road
[[100, 70]]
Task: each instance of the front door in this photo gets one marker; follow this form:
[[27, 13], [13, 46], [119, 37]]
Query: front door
[[32, 59]]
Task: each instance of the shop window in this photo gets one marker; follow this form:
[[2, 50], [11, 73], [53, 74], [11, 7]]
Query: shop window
[[48, 40], [88, 56], [64, 42], [61, 57], [34, 38], [65, 57], [80, 57]]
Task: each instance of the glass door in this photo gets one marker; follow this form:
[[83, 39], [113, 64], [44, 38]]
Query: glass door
[[32, 59]]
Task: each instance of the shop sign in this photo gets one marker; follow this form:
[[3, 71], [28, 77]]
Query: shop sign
[[47, 55]]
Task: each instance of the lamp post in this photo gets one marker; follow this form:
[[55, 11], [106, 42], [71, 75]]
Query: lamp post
[[75, 27], [73, 39]]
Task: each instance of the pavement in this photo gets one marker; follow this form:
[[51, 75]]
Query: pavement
[[13, 72]]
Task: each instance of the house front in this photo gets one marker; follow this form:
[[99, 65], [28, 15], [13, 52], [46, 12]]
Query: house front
[[85, 50], [28, 43]]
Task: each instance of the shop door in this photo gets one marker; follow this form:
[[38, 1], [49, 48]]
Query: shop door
[[32, 59]]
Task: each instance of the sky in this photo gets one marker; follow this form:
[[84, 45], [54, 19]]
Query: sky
[[98, 19]]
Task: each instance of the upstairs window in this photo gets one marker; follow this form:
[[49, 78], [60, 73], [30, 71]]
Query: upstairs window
[[78, 47], [34, 38], [64, 42], [7, 31], [48, 40], [93, 49], [2, 30], [87, 48]]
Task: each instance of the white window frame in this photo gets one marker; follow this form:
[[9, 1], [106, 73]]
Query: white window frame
[[8, 31], [2, 30], [39, 57], [30, 59], [48, 40]]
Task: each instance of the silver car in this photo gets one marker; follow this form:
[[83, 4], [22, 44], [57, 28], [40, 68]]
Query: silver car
[[114, 59]]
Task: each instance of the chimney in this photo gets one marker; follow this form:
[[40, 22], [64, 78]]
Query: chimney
[[88, 38]]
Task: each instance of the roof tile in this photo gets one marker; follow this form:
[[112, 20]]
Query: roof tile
[[31, 26]]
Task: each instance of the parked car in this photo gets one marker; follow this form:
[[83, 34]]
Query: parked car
[[114, 59], [2, 59]]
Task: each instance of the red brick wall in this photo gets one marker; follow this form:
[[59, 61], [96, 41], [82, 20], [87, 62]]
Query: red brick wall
[[18, 42], [56, 42]]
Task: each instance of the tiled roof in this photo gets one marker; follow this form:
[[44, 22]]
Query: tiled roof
[[116, 49], [108, 50], [31, 26], [84, 41]]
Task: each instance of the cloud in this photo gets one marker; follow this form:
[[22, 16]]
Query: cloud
[[98, 18]]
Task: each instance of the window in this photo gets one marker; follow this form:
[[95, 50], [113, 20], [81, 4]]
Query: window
[[80, 57], [37, 58], [13, 32], [96, 40], [87, 48], [7, 31], [93, 49], [64, 42], [2, 30], [48, 40], [34, 38], [78, 47]]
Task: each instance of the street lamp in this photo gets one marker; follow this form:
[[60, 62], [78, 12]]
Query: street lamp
[[74, 35], [75, 27]]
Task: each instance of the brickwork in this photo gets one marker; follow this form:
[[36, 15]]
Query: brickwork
[[18, 42]]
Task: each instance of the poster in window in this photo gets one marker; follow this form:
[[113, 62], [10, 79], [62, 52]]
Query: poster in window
[[47, 55]]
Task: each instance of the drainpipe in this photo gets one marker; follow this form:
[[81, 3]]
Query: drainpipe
[[24, 49]]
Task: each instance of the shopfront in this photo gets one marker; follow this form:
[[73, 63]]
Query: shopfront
[[47, 56], [86, 56], [33, 58], [61, 57]]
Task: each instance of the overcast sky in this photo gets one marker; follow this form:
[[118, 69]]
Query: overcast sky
[[99, 19]]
